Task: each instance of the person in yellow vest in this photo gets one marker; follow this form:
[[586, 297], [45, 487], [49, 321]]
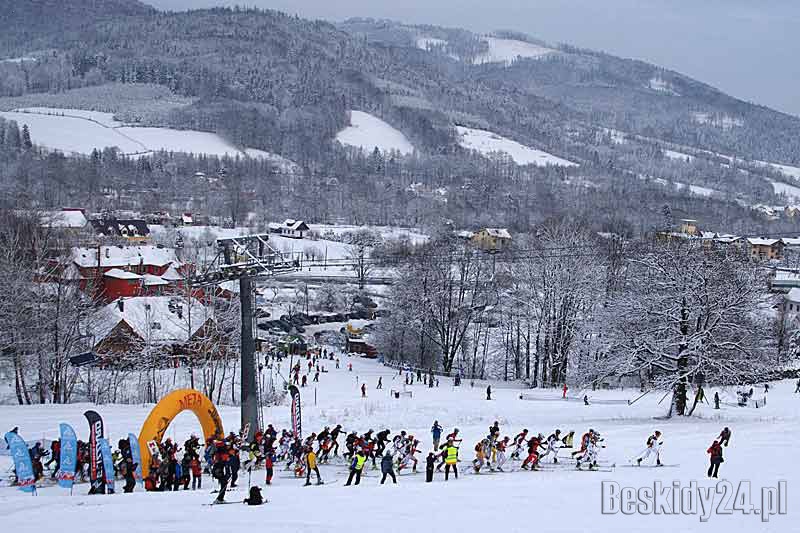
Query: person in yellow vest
[[451, 460], [356, 467], [311, 464]]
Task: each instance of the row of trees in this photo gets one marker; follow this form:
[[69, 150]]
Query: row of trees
[[565, 306]]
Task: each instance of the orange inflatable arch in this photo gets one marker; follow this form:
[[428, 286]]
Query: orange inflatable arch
[[167, 409]]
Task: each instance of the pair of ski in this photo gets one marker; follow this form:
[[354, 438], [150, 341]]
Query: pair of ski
[[662, 465]]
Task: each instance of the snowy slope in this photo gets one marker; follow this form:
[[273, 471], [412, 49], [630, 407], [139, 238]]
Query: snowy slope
[[509, 50], [487, 142], [368, 131], [73, 134], [81, 131], [558, 498]]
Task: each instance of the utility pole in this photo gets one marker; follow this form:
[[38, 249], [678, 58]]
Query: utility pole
[[249, 391]]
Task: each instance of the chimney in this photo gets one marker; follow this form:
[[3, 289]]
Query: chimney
[[121, 305]]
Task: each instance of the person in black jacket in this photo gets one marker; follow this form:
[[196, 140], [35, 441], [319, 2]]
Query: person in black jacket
[[430, 466], [387, 468]]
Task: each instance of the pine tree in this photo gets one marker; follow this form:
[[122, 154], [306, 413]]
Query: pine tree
[[27, 144]]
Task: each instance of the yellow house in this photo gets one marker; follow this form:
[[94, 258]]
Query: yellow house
[[492, 239]]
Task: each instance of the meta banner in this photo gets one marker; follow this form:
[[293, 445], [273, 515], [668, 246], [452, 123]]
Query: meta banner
[[68, 457], [26, 481], [297, 426]]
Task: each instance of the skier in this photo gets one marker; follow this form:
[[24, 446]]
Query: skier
[[489, 392], [269, 462], [334, 439], [430, 466], [590, 454], [356, 467], [197, 473], [533, 452], [380, 383], [797, 389], [311, 465], [363, 390], [481, 450], [716, 458], [451, 459], [553, 445], [382, 438], [219, 470], [653, 448], [501, 446], [585, 439], [724, 436], [564, 391], [716, 400], [408, 457], [436, 433], [568, 439], [519, 441], [387, 468]]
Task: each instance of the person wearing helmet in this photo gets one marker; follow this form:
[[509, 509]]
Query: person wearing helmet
[[519, 441], [533, 452], [553, 445], [501, 446], [652, 448]]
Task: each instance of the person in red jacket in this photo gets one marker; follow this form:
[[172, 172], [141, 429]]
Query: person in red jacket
[[564, 389], [716, 458], [268, 465], [533, 452]]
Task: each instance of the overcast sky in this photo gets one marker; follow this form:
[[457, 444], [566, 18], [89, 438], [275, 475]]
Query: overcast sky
[[748, 48]]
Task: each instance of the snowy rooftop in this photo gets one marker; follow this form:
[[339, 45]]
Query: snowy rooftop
[[152, 281], [762, 242], [153, 318], [122, 256], [794, 295], [73, 219], [500, 233], [118, 273]]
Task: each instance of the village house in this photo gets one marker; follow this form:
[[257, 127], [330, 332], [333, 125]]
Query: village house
[[132, 230], [492, 239], [765, 249], [110, 272], [294, 229], [73, 220], [166, 327]]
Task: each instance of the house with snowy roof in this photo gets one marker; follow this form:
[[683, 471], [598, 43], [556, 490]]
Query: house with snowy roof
[[132, 230], [294, 229], [66, 219], [492, 239], [762, 249], [167, 326]]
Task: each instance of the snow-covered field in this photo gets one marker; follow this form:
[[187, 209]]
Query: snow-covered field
[[558, 498], [509, 50], [368, 131], [791, 191], [80, 131], [487, 142]]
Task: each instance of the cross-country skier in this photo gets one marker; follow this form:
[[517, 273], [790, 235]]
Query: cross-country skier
[[219, 470], [481, 450], [335, 439], [501, 446], [533, 452], [653, 448], [724, 437], [408, 457], [519, 442], [716, 458], [382, 438], [589, 455], [568, 440], [553, 445], [585, 439]]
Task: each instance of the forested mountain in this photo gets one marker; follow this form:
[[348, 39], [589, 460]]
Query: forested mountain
[[285, 85]]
